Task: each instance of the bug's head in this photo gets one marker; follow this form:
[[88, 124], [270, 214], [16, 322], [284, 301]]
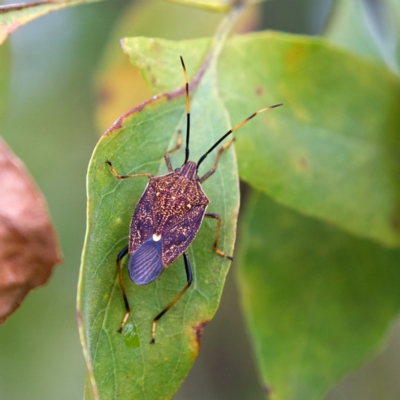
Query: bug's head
[[188, 170]]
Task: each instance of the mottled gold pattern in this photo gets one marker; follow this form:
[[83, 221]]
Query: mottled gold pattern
[[172, 206]]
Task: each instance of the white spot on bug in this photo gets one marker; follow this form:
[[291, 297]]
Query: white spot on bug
[[173, 197], [157, 193], [156, 237], [189, 206]]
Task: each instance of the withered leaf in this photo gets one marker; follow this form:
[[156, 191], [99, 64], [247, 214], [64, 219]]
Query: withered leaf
[[28, 244]]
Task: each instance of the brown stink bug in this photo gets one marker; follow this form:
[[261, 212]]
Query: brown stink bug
[[168, 216]]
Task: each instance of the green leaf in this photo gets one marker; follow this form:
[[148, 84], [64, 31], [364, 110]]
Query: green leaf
[[127, 366], [372, 30], [317, 300], [148, 55], [14, 16], [333, 150]]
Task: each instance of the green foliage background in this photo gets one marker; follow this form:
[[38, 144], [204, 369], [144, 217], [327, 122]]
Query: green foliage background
[[50, 126]]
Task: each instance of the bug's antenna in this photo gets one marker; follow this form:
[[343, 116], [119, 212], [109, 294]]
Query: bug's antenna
[[187, 112], [234, 129]]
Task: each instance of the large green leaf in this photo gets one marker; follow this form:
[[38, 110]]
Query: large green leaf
[[15, 15], [333, 150], [317, 300], [127, 366]]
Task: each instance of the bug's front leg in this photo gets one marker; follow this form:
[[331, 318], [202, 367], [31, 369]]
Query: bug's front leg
[[180, 294], [215, 246], [214, 168], [177, 147], [115, 173], [120, 256]]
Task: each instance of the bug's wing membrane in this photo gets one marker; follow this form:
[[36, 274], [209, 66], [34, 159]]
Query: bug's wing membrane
[[145, 264], [142, 224], [177, 239]]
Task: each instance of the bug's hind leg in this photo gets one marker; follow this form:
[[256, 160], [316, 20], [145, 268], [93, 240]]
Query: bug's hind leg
[[215, 246], [180, 294], [214, 168], [120, 256], [177, 147], [120, 177]]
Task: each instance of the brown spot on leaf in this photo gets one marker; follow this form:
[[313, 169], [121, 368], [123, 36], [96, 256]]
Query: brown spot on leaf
[[259, 91], [267, 389], [28, 245], [198, 329], [395, 219], [104, 94], [294, 57], [79, 317], [304, 164]]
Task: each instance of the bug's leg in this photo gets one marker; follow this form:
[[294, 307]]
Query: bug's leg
[[120, 256], [177, 147], [214, 168], [180, 294], [115, 173], [215, 246]]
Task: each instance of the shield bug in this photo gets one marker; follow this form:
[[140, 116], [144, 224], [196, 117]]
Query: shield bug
[[168, 216]]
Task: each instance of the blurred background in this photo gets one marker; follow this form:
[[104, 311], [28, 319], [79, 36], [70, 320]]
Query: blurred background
[[52, 121]]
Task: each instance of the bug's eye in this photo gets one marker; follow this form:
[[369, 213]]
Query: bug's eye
[[177, 170]]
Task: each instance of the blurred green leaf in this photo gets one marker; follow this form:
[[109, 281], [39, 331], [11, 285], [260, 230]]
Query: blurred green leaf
[[394, 15], [317, 301], [348, 27], [14, 16], [371, 29], [119, 84], [127, 366], [333, 150], [215, 5]]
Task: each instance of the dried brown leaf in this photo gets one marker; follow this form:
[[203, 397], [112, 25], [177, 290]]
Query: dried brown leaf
[[28, 244]]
